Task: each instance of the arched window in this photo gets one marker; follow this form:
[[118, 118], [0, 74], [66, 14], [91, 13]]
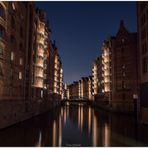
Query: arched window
[[12, 39], [1, 51], [2, 12], [21, 47], [2, 32], [21, 32], [12, 22]]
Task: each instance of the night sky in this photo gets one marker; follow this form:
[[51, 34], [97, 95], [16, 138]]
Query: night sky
[[79, 29]]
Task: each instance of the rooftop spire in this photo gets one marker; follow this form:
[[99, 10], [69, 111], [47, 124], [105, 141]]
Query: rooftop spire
[[121, 23]]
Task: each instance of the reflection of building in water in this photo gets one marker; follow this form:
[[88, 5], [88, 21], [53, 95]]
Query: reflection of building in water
[[54, 134], [94, 133], [60, 130], [79, 116], [66, 113], [89, 119], [106, 135], [40, 140]]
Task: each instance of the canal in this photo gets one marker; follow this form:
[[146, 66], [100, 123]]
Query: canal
[[76, 125]]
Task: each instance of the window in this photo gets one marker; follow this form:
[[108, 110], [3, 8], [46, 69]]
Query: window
[[12, 56], [1, 73], [145, 65], [12, 39], [144, 49], [123, 66], [20, 75], [41, 93], [123, 85], [143, 19], [123, 40], [143, 34], [2, 12], [1, 51], [20, 47], [2, 32], [123, 74], [21, 61], [12, 22], [21, 32]]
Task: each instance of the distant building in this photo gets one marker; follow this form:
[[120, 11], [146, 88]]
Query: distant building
[[87, 87], [58, 72], [97, 78], [107, 71], [81, 89], [142, 11]]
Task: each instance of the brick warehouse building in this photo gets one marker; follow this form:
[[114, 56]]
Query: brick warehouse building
[[13, 45], [142, 17], [120, 78], [26, 63], [125, 81]]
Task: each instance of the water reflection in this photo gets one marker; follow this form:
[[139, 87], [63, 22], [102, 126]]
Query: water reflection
[[76, 125]]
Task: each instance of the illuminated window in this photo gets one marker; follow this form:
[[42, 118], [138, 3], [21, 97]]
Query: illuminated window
[[12, 56], [41, 93], [21, 61], [123, 67], [20, 75], [123, 40]]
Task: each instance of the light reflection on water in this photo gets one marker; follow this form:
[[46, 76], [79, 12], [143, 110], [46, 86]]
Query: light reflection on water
[[76, 125]]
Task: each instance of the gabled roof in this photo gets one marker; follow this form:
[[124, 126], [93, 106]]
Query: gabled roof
[[122, 30]]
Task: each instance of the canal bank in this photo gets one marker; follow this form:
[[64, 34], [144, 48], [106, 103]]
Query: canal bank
[[14, 111]]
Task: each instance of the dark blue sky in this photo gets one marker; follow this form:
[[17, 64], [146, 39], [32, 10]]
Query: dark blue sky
[[79, 29]]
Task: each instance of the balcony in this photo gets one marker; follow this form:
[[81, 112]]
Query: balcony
[[39, 83], [39, 74], [40, 40], [40, 52], [40, 63], [41, 28]]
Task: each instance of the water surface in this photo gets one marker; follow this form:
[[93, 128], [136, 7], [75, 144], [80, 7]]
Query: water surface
[[76, 125]]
